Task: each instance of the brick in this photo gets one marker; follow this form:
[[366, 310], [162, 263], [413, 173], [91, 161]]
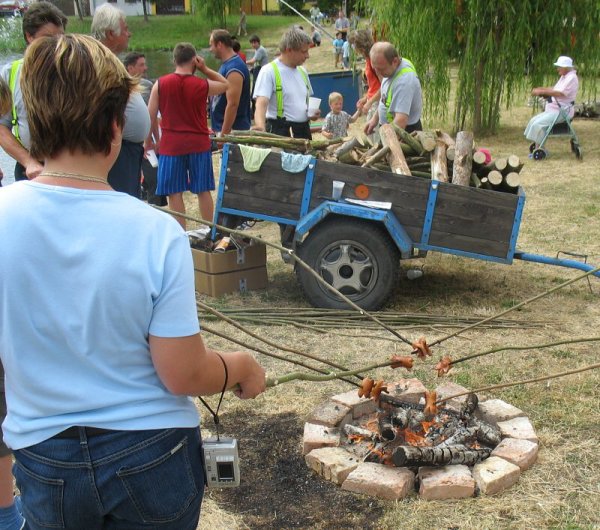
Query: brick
[[496, 410], [316, 436], [332, 463], [449, 388], [495, 474], [381, 481], [409, 390], [447, 482], [360, 406], [522, 453], [519, 428], [331, 414]]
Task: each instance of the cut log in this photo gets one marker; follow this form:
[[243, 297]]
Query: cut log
[[426, 139], [395, 157], [376, 157], [463, 159], [414, 144], [451, 153], [444, 137], [439, 163], [478, 158], [461, 436], [514, 163], [369, 153], [346, 147], [486, 432], [408, 456], [512, 181], [352, 430], [494, 178], [349, 157], [386, 429], [496, 165]]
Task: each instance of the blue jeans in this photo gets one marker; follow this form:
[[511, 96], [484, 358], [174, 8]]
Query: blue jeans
[[125, 480]]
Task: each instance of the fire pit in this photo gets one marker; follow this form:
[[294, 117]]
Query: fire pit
[[387, 447]]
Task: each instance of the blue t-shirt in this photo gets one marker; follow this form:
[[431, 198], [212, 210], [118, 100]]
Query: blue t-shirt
[[219, 103], [337, 45], [85, 277]]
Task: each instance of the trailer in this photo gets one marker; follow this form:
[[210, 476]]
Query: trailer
[[356, 242]]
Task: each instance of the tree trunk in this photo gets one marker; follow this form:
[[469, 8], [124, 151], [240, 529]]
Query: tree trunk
[[511, 181], [79, 12], [145, 8], [379, 155], [463, 158], [439, 163], [396, 156], [494, 178], [426, 139]]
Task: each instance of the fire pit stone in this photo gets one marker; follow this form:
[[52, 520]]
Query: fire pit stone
[[447, 482], [331, 414], [360, 406], [448, 388], [316, 436], [522, 453], [495, 475], [385, 482], [409, 390], [496, 410], [332, 463], [519, 428]]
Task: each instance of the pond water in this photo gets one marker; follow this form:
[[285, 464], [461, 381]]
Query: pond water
[[159, 63]]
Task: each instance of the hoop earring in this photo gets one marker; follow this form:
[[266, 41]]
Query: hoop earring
[[115, 144]]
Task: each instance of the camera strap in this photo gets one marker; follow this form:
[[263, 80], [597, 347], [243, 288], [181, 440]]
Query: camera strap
[[215, 414]]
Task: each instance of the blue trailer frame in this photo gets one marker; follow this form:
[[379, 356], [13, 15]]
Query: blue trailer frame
[[310, 218]]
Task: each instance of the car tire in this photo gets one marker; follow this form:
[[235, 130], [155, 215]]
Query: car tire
[[357, 257]]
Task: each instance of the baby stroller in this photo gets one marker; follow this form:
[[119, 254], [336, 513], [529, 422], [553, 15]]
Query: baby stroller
[[558, 128]]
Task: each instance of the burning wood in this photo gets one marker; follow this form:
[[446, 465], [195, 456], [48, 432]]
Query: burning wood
[[408, 456]]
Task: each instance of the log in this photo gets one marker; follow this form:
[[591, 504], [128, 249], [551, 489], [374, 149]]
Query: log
[[445, 137], [408, 456], [414, 144], [346, 147], [386, 429], [498, 165], [478, 158], [349, 157], [379, 155], [369, 152], [463, 160], [422, 174], [511, 181], [426, 139], [395, 157], [486, 433], [461, 436], [439, 163], [451, 153], [494, 178], [352, 430], [513, 163], [421, 166]]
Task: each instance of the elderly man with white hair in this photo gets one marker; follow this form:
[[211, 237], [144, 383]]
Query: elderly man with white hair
[[562, 94], [110, 28]]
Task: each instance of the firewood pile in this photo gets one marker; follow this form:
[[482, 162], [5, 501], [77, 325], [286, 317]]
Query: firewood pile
[[407, 434], [433, 155]]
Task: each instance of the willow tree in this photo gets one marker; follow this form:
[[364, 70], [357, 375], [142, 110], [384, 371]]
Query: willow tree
[[500, 47]]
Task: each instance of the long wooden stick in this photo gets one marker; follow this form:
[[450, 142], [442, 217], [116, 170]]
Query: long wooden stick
[[522, 382]]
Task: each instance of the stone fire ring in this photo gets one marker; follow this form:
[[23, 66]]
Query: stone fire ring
[[323, 453]]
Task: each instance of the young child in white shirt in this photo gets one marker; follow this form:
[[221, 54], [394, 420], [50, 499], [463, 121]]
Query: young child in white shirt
[[337, 121]]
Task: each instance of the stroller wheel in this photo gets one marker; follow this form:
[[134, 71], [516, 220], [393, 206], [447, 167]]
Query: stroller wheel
[[539, 154], [532, 147]]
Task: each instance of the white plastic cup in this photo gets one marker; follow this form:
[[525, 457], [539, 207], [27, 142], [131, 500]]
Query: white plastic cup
[[151, 156], [338, 187], [313, 106]]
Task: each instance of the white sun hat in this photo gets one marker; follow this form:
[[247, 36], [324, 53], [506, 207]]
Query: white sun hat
[[564, 62]]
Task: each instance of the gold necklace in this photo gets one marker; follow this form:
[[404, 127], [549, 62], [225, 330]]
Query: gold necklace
[[74, 176]]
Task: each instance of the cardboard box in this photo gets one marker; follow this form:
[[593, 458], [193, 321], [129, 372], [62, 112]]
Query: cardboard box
[[236, 270]]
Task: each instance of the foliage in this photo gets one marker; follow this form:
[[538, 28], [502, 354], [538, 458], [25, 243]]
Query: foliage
[[500, 48], [11, 34], [296, 4], [215, 10]]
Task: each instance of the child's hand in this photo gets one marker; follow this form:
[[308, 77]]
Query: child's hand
[[328, 135]]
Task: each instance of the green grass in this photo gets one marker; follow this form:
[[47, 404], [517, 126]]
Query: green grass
[[162, 32]]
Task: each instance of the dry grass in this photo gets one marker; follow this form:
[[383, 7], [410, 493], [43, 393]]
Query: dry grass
[[561, 213]]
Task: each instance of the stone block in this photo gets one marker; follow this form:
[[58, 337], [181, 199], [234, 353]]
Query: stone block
[[522, 453], [331, 414], [496, 410], [332, 463], [360, 406], [519, 428], [380, 481], [448, 388], [409, 390], [495, 474], [447, 482], [316, 436]]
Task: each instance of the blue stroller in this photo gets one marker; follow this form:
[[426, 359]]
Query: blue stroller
[[558, 128]]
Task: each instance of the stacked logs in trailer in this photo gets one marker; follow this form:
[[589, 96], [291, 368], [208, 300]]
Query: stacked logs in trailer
[[434, 155]]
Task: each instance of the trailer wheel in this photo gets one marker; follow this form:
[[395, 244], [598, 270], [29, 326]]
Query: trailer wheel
[[357, 257]]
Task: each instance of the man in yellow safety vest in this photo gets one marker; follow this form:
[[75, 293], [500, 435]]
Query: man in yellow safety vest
[[401, 102]]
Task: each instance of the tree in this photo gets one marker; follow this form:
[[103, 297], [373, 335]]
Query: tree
[[500, 47], [216, 10]]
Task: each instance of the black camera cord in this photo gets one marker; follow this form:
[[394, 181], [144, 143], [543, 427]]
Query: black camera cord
[[215, 414]]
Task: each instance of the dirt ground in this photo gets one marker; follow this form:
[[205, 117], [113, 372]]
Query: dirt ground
[[562, 213]]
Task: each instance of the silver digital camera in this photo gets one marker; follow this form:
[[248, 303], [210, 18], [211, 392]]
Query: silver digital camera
[[221, 463]]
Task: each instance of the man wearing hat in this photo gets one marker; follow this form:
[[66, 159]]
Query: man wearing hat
[[563, 94]]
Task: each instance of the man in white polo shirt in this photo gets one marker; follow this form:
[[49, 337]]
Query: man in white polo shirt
[[282, 90]]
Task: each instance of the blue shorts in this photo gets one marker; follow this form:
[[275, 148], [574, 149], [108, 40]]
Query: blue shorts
[[193, 172]]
